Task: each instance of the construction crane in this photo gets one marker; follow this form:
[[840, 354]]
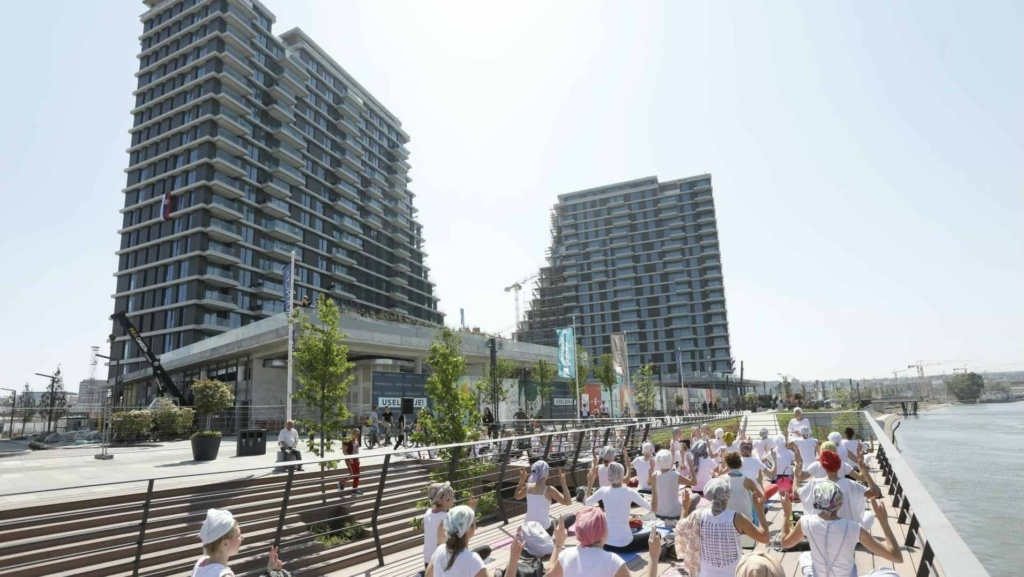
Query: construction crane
[[516, 287], [920, 365]]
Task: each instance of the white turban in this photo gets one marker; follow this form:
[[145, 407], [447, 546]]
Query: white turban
[[719, 433], [219, 522], [647, 448], [538, 471], [805, 431], [663, 460], [763, 432], [835, 437], [459, 520], [717, 491], [780, 441], [607, 453], [616, 473]]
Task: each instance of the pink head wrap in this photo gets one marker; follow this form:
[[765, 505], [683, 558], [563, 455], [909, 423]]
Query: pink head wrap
[[591, 526]]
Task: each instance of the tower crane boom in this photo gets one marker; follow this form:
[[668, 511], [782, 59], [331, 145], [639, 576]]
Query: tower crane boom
[[515, 288]]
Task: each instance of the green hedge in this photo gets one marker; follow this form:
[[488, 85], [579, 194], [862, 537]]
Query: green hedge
[[824, 423], [131, 425], [663, 437], [173, 422]]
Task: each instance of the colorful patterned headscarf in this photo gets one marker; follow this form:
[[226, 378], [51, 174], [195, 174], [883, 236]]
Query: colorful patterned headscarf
[[591, 526], [717, 491], [828, 497], [458, 521]]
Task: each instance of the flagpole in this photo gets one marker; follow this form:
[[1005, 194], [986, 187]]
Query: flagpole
[[290, 291], [625, 370], [575, 368]]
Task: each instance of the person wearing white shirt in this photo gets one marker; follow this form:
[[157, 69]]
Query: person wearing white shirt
[[796, 423], [618, 500], [753, 466], [643, 464], [816, 470], [806, 445], [665, 501], [453, 558], [763, 446], [855, 495], [288, 440]]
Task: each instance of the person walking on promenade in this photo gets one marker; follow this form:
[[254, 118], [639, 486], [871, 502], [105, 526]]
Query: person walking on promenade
[[533, 486], [350, 446], [385, 418], [400, 431], [618, 500], [834, 540]]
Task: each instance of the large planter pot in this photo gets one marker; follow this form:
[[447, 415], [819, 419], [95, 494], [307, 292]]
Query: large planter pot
[[205, 448]]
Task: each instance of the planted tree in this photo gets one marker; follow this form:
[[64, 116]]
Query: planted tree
[[645, 389], [680, 400], [211, 396], [750, 399], [172, 421], [492, 387], [544, 375], [325, 375], [604, 371], [787, 387], [54, 403], [26, 407], [577, 384], [966, 387]]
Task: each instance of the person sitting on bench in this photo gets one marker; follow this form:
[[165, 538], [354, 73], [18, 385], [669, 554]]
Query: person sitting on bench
[[288, 440]]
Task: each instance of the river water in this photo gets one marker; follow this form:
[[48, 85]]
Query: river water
[[971, 460]]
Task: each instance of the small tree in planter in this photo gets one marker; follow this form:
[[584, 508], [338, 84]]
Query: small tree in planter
[[680, 400], [210, 397]]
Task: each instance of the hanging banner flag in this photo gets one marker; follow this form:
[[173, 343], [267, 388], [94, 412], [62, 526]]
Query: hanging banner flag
[[682, 381], [566, 353], [165, 206], [288, 288], [619, 362]]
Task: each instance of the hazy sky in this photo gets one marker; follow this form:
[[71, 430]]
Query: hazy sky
[[867, 159]]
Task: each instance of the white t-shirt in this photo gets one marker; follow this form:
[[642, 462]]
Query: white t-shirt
[[783, 461], [288, 438], [210, 569], [643, 469], [704, 470], [666, 483], [431, 521], [853, 499], [589, 562], [795, 426], [715, 446], [602, 476], [752, 466], [762, 447], [851, 446], [617, 503], [806, 448], [832, 544], [467, 563], [815, 470]]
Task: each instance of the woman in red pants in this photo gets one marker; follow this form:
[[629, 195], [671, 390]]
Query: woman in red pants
[[351, 447]]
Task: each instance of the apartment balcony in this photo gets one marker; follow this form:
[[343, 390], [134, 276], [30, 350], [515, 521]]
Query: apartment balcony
[[280, 92], [289, 174], [353, 130], [399, 310], [284, 230], [234, 123], [401, 252], [275, 207], [219, 277], [229, 143], [349, 224], [290, 154], [278, 111], [343, 272], [226, 186], [223, 230], [709, 241], [352, 146], [401, 266], [375, 206], [273, 268], [217, 300], [288, 133], [347, 206], [233, 100], [214, 324], [232, 79], [399, 178], [292, 80], [349, 175], [398, 295], [221, 253], [714, 274], [349, 240], [277, 248], [401, 151], [225, 209], [348, 190], [342, 255], [352, 161], [374, 221], [401, 221], [278, 188], [267, 288], [400, 281], [228, 164]]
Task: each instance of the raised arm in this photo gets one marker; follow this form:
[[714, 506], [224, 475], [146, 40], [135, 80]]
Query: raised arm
[[522, 486], [562, 497], [790, 535], [758, 530], [559, 537], [888, 549]]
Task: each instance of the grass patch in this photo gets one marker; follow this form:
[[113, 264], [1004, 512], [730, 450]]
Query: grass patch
[[337, 532]]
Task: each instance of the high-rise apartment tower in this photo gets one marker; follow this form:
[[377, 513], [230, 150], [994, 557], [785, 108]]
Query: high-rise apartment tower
[[246, 147], [641, 258]]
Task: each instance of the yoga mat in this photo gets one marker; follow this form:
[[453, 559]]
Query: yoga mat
[[502, 543], [627, 557]]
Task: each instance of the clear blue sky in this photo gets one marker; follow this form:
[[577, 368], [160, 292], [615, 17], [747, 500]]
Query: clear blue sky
[[867, 159]]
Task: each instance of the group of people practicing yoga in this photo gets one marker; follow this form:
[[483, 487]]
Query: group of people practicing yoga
[[706, 491]]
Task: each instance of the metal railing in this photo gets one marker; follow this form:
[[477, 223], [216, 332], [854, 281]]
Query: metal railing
[[929, 529]]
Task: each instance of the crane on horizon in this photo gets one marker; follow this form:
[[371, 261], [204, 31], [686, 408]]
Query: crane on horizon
[[515, 288]]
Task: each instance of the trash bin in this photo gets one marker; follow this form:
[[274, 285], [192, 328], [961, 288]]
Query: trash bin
[[251, 442]]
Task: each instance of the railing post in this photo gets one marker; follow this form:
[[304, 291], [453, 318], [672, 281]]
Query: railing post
[[376, 509], [506, 457], [607, 433], [904, 510], [547, 447], [625, 444], [142, 530], [647, 432], [576, 458], [284, 506]]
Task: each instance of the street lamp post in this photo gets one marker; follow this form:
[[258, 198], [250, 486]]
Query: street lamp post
[[108, 411], [14, 403], [53, 401]]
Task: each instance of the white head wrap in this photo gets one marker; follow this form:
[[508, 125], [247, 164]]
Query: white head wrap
[[719, 433], [835, 437], [437, 492], [780, 441], [218, 523], [647, 448], [538, 471], [805, 431], [458, 521], [616, 473], [764, 432], [607, 453], [663, 460]]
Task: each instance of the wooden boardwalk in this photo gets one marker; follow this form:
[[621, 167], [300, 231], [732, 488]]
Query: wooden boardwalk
[[499, 537]]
